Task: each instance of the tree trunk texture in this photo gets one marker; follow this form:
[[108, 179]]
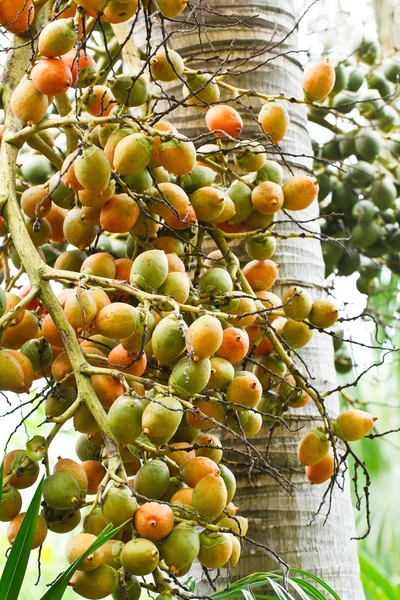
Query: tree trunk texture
[[277, 518], [388, 21]]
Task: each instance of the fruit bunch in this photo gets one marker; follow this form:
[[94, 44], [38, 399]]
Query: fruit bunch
[[152, 342], [357, 169]]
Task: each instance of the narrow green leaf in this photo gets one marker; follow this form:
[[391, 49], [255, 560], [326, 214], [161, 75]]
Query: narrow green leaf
[[17, 561], [279, 591], [57, 590], [298, 589], [247, 594], [306, 585], [377, 578], [317, 580]]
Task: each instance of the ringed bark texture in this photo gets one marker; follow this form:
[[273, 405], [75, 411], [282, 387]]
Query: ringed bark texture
[[263, 33]]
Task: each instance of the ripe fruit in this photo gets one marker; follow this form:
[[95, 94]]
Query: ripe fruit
[[95, 473], [318, 80], [204, 337], [183, 496], [299, 192], [237, 523], [181, 547], [274, 119], [51, 76], [209, 446], [323, 313], [82, 66], [291, 394], [61, 491], [201, 91], [139, 556], [245, 390], [127, 362], [11, 373], [17, 16], [322, 471], [78, 545], [118, 12], [234, 346], [210, 496], [224, 121], [261, 274], [267, 197], [208, 203], [118, 505], [154, 521], [313, 447], [176, 156], [119, 214], [100, 101], [193, 470], [206, 413], [215, 549], [27, 103], [40, 530], [353, 425], [117, 320], [80, 309]]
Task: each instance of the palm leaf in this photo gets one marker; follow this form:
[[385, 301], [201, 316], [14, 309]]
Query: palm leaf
[[17, 561], [318, 581], [376, 581], [57, 590]]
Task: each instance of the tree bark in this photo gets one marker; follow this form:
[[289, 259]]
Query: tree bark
[[388, 21], [280, 520]]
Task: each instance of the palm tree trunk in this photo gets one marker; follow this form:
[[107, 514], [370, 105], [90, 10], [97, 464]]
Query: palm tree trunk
[[388, 21], [282, 521]]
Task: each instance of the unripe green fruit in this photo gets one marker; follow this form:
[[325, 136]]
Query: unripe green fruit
[[297, 303], [149, 270], [360, 175], [364, 210], [96, 584], [323, 313], [240, 194], [296, 333], [208, 202], [168, 340], [260, 249], [222, 373], [215, 281], [344, 102], [215, 549], [353, 425], [367, 51], [377, 81], [85, 449], [356, 76], [3, 302], [313, 447], [230, 482], [174, 485], [177, 286], [246, 422], [92, 169], [272, 404], [341, 78], [61, 491], [161, 418], [188, 378], [205, 90], [370, 104], [139, 557], [130, 90], [366, 234], [152, 479], [140, 182], [132, 590], [210, 496], [383, 193], [391, 69], [125, 419], [250, 157], [61, 521], [11, 504], [368, 145], [271, 171], [199, 177], [181, 547], [237, 523], [343, 361], [118, 505], [39, 353]]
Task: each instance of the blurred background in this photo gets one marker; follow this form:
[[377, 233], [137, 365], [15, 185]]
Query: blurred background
[[329, 28]]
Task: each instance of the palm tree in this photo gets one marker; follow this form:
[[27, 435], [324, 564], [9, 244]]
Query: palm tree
[[258, 40]]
